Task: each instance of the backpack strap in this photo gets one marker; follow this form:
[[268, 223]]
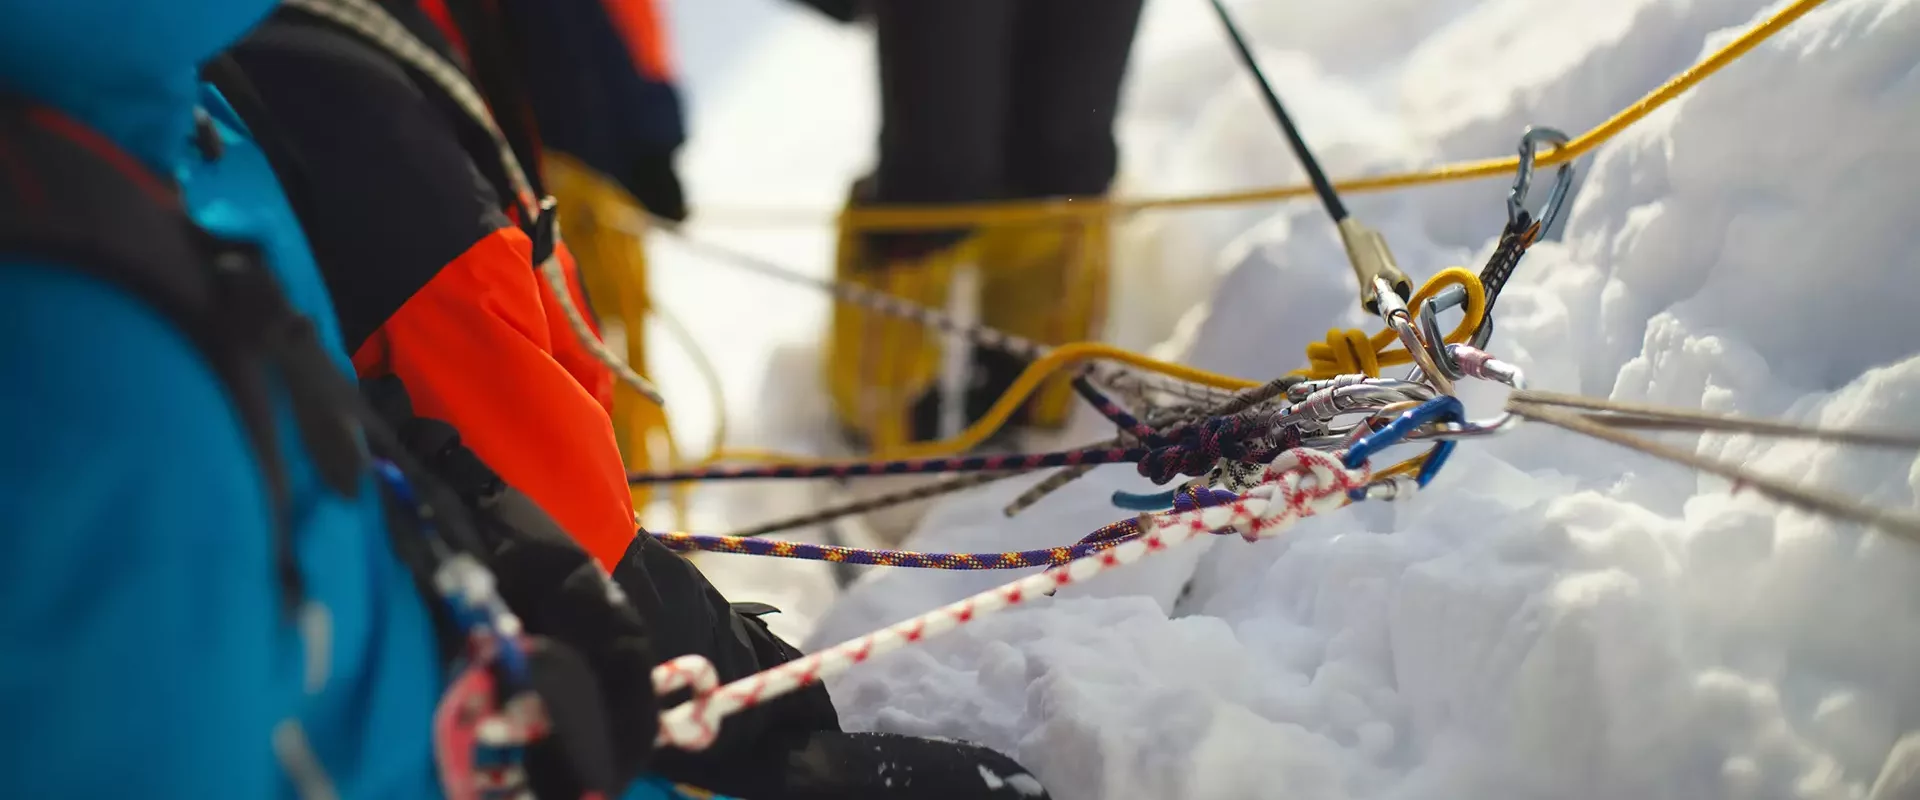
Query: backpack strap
[[380, 234], [370, 21], [288, 165], [497, 62], [70, 196]]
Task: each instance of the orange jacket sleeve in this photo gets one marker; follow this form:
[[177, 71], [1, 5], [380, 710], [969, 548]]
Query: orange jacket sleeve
[[579, 362], [476, 348]]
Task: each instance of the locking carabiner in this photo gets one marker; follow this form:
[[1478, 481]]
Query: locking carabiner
[[1523, 179]]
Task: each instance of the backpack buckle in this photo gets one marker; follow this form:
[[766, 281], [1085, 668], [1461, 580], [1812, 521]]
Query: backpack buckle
[[544, 230]]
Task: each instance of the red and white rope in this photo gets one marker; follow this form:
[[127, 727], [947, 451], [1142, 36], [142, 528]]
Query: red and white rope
[[1298, 484]]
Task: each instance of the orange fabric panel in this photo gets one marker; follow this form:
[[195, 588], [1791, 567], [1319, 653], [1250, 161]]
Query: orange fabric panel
[[476, 349], [595, 377], [645, 32]]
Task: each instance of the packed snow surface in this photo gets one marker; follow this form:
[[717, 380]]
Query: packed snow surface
[[1552, 617]]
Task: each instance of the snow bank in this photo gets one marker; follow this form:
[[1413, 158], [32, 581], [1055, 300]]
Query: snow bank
[[1553, 618], [782, 103]]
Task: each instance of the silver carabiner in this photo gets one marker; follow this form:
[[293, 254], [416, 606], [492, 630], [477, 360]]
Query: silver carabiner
[[1477, 364], [1397, 487], [1399, 319], [1433, 339], [1323, 406], [1523, 179], [1482, 334], [1299, 392]]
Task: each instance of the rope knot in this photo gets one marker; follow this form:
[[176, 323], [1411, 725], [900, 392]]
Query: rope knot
[[1198, 448], [1299, 483], [1345, 352]]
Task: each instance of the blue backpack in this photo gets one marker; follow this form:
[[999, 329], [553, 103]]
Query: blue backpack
[[584, 659]]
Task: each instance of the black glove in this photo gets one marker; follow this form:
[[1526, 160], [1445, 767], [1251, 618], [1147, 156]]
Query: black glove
[[592, 664], [591, 658], [654, 183], [686, 615]]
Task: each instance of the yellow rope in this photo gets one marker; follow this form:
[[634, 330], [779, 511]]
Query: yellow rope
[[1075, 353], [749, 455], [1029, 380], [1322, 357], [1029, 211], [1351, 351], [1406, 467]]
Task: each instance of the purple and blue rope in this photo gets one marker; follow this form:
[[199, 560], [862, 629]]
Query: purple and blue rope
[[1126, 422], [1107, 536], [1193, 452]]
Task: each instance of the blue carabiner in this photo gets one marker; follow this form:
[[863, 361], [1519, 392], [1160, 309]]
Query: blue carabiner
[[483, 616], [397, 481], [1440, 409]]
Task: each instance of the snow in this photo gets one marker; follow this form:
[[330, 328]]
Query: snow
[[1553, 617], [780, 100]]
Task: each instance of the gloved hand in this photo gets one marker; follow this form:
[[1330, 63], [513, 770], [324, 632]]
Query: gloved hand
[[591, 658], [687, 615], [594, 640], [654, 183]]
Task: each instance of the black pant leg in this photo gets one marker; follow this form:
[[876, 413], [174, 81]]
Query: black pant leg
[[1069, 59], [944, 78], [944, 71]]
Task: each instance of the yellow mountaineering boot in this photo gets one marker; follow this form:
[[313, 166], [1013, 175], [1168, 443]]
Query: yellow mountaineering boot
[[878, 365], [1047, 282], [599, 226]]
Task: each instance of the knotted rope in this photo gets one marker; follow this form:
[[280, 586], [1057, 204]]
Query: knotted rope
[[1298, 483], [1105, 537]]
